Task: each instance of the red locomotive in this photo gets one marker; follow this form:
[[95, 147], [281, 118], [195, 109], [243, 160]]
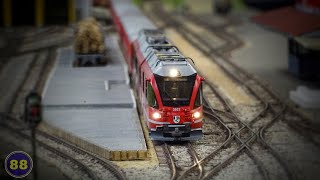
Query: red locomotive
[[168, 86]]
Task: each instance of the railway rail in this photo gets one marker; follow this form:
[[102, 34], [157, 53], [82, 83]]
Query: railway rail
[[233, 135], [14, 124], [82, 167], [20, 41], [248, 133], [177, 167], [118, 174], [256, 88], [250, 80], [116, 171], [241, 136]]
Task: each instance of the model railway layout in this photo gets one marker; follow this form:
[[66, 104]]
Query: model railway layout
[[152, 90]]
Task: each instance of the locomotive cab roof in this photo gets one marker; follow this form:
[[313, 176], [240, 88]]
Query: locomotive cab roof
[[161, 55], [162, 64]]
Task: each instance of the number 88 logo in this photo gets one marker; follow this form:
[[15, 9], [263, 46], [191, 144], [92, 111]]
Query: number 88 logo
[[18, 164], [23, 164]]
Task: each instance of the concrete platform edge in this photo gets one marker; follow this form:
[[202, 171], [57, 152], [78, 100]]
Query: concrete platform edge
[[91, 147]]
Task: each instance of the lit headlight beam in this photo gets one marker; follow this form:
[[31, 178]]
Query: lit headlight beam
[[196, 115], [156, 115], [174, 73]]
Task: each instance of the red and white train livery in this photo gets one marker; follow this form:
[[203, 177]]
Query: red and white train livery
[[168, 86]]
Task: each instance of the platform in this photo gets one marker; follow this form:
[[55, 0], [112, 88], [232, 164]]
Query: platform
[[94, 107]]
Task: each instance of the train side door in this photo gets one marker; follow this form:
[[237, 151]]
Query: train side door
[[143, 90], [135, 73]]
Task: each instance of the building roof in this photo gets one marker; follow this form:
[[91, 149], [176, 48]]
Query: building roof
[[289, 20]]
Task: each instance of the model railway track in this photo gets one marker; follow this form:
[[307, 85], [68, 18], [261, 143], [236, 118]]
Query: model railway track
[[24, 81], [14, 122], [34, 79], [178, 167], [245, 142], [259, 90], [203, 161], [29, 32], [116, 171], [244, 147], [161, 154], [11, 123], [301, 126], [16, 39], [232, 42], [82, 167], [274, 107]]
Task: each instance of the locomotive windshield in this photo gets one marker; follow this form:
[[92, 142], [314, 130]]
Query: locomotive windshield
[[175, 91]]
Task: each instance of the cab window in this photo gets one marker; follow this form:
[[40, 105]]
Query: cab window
[[152, 101], [198, 100]]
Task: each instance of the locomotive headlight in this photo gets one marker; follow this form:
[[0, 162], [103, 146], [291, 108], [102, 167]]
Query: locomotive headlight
[[174, 73], [156, 115], [196, 115]]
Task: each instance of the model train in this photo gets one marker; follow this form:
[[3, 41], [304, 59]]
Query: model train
[[168, 86]]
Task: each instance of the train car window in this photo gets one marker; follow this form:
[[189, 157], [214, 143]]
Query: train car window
[[144, 46], [152, 101], [135, 64], [146, 86], [198, 100], [152, 61], [138, 75], [143, 82], [141, 39]]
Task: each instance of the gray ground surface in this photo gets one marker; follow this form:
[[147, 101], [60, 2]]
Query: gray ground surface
[[99, 95], [265, 54]]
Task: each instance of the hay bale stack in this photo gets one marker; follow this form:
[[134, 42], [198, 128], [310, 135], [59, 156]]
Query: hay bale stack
[[89, 37]]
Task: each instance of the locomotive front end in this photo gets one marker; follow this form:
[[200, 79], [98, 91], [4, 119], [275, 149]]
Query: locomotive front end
[[179, 116]]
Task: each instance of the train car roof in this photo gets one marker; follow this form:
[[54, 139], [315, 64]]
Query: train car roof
[[132, 19], [289, 20], [125, 8], [135, 22], [161, 55], [163, 64], [133, 25]]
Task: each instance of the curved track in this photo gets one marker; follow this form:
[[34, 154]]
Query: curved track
[[36, 76], [258, 89], [177, 168], [82, 167], [251, 132], [116, 171]]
